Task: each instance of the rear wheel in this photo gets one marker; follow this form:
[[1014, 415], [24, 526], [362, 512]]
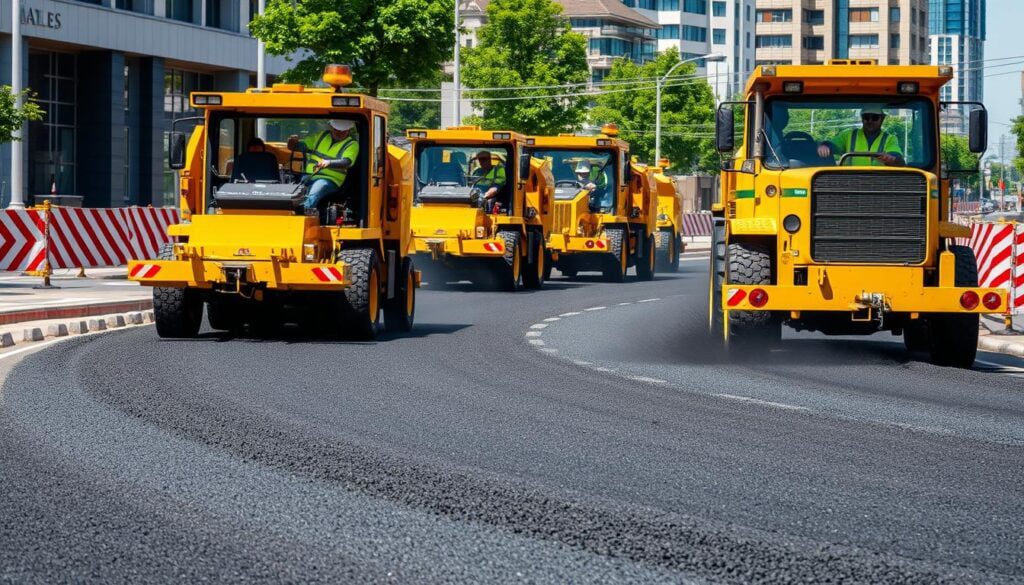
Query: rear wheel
[[645, 266], [225, 315], [751, 263], [548, 263], [178, 312], [360, 302], [618, 261], [915, 336], [400, 311], [510, 268], [533, 275], [953, 337]]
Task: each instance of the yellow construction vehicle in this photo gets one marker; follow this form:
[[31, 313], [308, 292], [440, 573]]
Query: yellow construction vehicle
[[668, 238], [247, 245], [605, 214], [481, 207], [834, 211]]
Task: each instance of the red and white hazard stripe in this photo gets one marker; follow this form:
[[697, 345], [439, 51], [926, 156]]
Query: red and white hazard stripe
[[1017, 292], [697, 223], [144, 270], [494, 247], [22, 246], [328, 274], [735, 296]]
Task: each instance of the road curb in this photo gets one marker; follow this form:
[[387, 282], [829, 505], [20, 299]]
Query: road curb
[[75, 327], [69, 311], [1004, 347]]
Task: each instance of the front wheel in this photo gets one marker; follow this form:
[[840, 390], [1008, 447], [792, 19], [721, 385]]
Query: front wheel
[[510, 267], [751, 263], [360, 302], [953, 337], [617, 262]]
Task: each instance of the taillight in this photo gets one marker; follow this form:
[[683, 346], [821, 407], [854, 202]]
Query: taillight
[[589, 244], [991, 301], [969, 300], [758, 298], [600, 244]]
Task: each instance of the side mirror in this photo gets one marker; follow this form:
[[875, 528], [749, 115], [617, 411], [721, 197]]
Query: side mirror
[[725, 134], [524, 166], [978, 138], [176, 150]]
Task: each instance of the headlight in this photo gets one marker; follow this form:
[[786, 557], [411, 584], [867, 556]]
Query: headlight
[[791, 223]]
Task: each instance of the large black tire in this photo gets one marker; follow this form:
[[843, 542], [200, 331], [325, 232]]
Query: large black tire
[[533, 273], [510, 268], [400, 312], [716, 279], [225, 315], [668, 250], [645, 266], [915, 336], [617, 261], [953, 337], [548, 263], [751, 263], [360, 302], [178, 312]]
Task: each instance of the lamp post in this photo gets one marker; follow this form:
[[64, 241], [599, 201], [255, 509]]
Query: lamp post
[[714, 57], [17, 176], [455, 77], [261, 70]]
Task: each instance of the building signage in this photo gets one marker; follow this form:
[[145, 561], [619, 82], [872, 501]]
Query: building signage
[[41, 18]]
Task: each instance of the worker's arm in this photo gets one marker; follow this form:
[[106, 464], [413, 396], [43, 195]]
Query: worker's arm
[[892, 156], [345, 161], [836, 146]]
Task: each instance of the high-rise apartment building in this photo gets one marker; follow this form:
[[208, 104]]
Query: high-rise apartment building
[[613, 30], [893, 32], [702, 27], [956, 29]]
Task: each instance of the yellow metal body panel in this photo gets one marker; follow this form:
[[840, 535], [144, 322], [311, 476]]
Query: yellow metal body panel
[[273, 274], [670, 203]]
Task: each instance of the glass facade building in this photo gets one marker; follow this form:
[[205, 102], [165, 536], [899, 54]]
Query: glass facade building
[[956, 31]]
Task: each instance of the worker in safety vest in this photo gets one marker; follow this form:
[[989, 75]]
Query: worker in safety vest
[[593, 179], [490, 178], [869, 138], [329, 156]]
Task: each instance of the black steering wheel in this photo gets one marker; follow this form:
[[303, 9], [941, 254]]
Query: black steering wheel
[[797, 136], [803, 147], [849, 155], [569, 183]]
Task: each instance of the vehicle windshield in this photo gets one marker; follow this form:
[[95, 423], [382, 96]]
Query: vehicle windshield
[[446, 165], [817, 132], [575, 170]]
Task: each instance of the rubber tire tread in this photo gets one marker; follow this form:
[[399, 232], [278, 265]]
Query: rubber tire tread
[[354, 318], [717, 276], [508, 281], [751, 263], [531, 279], [178, 312], [664, 240], [645, 268], [613, 271], [395, 318], [953, 337]]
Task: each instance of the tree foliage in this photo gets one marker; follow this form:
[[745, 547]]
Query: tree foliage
[[12, 118], [1018, 131], [414, 114], [956, 154], [528, 43], [687, 112], [401, 42]]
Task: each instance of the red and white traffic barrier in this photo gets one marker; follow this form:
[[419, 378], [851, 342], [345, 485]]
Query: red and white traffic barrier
[[697, 223], [999, 250], [66, 237], [966, 206]]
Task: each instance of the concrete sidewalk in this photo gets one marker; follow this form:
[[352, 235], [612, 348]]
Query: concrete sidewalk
[[103, 291]]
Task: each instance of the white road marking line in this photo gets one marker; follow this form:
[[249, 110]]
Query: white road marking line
[[536, 342], [570, 314], [533, 333], [602, 369], [646, 379], [649, 300], [761, 402], [1000, 366], [552, 319], [624, 304], [581, 363], [549, 350], [538, 326], [122, 284], [34, 346], [595, 309]]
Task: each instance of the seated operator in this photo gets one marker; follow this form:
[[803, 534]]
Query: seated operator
[[329, 156], [869, 138], [593, 179], [490, 179]]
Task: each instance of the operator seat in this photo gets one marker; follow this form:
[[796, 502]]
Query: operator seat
[[255, 164], [452, 171]]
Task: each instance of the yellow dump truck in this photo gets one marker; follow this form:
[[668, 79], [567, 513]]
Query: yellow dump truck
[[605, 207], [834, 211], [481, 209], [668, 238], [253, 245]]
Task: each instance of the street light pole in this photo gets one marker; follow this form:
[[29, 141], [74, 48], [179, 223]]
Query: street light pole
[[17, 177], [714, 57], [261, 71], [456, 77]]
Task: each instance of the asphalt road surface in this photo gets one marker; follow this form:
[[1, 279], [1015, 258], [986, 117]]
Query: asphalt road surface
[[584, 433]]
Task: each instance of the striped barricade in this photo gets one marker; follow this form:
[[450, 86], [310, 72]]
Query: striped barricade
[[999, 250], [22, 246], [697, 223]]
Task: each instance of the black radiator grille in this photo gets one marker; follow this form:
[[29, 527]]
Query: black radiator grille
[[869, 217]]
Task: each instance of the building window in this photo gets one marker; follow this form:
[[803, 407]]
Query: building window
[[814, 16], [894, 14], [695, 6], [863, 15], [127, 164], [179, 10], [894, 41], [51, 141], [718, 36], [767, 41], [863, 41], [177, 87], [668, 4], [669, 31], [142, 6], [778, 15], [127, 88], [814, 43], [717, 8], [695, 33]]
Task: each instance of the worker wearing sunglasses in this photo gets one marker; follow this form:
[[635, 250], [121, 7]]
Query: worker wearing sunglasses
[[869, 138]]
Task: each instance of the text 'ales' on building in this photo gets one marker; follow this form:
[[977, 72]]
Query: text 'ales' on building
[[111, 76]]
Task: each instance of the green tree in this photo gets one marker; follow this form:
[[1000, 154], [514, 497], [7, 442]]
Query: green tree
[[687, 112], [956, 154], [1018, 131], [401, 42], [418, 112], [12, 118], [528, 43]]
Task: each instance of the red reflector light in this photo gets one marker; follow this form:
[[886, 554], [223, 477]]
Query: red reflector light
[[758, 298], [600, 244], [969, 300], [589, 244], [991, 301]]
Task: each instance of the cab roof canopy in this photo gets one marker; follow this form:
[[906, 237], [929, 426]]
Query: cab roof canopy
[[464, 134], [287, 98], [849, 77], [575, 141]]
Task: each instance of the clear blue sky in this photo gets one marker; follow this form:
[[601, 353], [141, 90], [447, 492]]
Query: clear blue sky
[[1003, 92]]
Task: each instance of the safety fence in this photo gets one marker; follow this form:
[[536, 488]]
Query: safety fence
[[999, 250], [697, 223], [44, 238], [966, 206]]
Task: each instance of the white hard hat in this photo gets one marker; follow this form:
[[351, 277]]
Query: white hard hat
[[342, 125], [583, 167]]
